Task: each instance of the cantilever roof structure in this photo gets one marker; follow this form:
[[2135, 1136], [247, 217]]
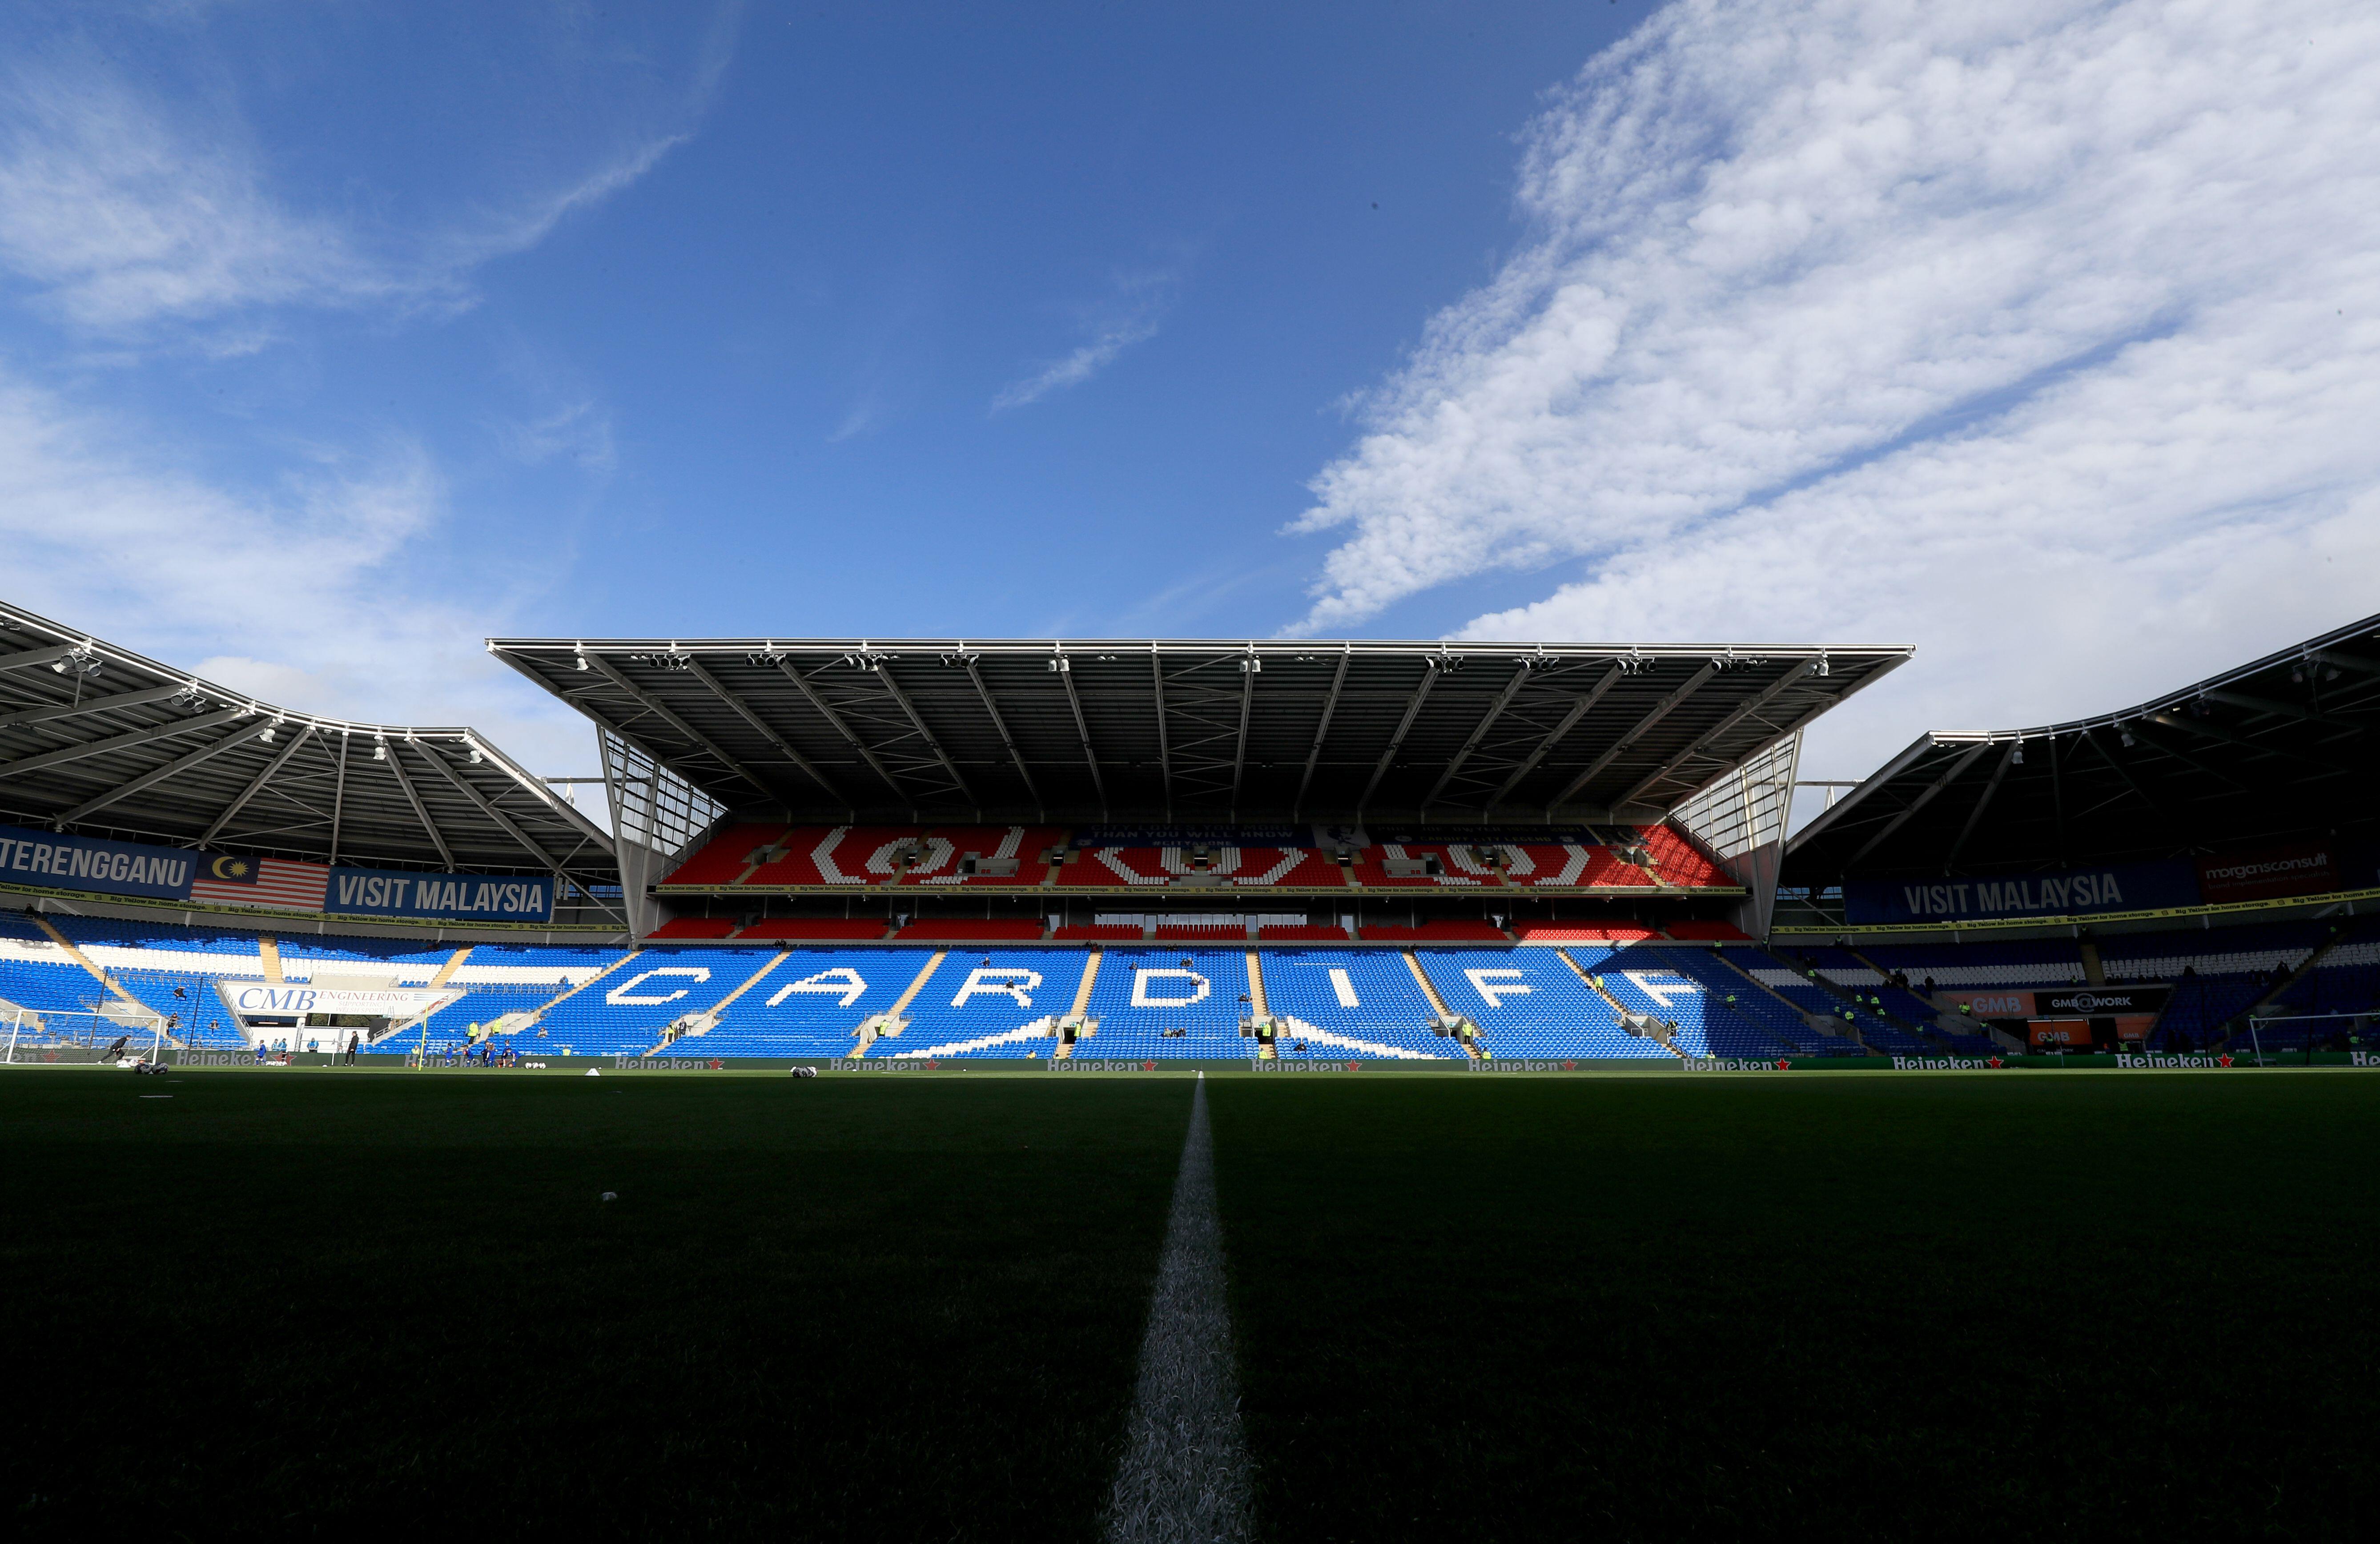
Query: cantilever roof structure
[[2271, 750], [1171, 730], [98, 739]]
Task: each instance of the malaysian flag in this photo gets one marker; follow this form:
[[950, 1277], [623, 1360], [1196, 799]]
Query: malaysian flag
[[260, 882]]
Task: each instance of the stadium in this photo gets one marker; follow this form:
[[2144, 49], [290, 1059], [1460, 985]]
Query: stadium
[[1853, 1157]]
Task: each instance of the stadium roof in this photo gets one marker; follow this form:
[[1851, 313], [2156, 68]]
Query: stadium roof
[[95, 738], [1167, 730], [2280, 748]]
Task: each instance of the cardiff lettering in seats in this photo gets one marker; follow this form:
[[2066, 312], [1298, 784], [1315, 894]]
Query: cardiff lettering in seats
[[1144, 997], [626, 995], [1493, 989], [1345, 987], [842, 981], [1660, 986], [992, 981]]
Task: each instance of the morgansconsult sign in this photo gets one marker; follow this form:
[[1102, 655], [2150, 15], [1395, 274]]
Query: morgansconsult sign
[[453, 897]]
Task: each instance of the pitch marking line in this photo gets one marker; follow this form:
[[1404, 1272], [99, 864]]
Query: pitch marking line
[[1185, 1474]]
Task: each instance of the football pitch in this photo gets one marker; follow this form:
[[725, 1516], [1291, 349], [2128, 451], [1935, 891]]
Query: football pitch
[[324, 1302]]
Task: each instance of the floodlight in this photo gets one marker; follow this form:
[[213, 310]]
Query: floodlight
[[380, 749], [2127, 735], [2016, 756]]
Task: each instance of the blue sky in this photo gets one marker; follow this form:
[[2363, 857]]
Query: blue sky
[[336, 336]]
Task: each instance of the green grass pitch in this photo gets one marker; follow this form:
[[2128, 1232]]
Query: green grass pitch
[[315, 1302]]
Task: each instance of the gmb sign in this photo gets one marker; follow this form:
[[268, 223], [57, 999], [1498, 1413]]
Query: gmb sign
[[461, 897]]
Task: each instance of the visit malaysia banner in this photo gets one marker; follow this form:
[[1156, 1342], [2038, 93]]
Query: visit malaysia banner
[[453, 897], [94, 864], [2066, 893]]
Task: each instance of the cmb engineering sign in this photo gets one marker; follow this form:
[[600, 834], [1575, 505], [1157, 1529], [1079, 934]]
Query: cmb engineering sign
[[294, 1000]]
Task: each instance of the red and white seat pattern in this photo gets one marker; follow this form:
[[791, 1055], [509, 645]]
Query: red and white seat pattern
[[947, 846], [726, 855], [1227, 868]]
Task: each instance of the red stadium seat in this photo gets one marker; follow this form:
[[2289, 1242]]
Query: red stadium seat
[[1196, 932], [865, 928], [1313, 934], [1722, 932], [1583, 932], [725, 856], [840, 856], [1437, 932], [695, 927], [941, 929], [944, 863], [1090, 932]]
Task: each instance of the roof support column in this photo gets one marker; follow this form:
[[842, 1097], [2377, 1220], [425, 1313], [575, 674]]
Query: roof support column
[[1329, 706], [256, 784]]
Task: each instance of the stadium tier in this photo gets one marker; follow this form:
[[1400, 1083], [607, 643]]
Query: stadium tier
[[760, 858], [1442, 991]]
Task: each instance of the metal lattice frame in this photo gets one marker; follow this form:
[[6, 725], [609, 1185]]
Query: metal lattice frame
[[924, 730], [2277, 749], [99, 739]]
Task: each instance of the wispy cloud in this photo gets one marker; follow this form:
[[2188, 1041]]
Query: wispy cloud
[[127, 207], [1130, 314], [122, 219], [2023, 332], [315, 576]]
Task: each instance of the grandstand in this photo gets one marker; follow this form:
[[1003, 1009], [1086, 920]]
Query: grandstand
[[945, 851]]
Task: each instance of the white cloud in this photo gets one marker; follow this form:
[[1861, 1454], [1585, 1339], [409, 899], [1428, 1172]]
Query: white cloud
[[126, 210], [1131, 315], [106, 534], [122, 219], [2039, 335]]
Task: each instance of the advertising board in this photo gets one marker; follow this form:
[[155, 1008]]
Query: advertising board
[[454, 898], [2307, 868], [2064, 893], [95, 864]]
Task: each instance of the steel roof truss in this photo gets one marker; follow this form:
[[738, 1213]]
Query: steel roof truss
[[121, 742], [1396, 741], [1082, 728], [744, 711], [485, 806], [662, 710], [1322, 728], [91, 705], [1579, 708], [170, 769], [1974, 816], [835, 720], [1001, 725], [1164, 746], [26, 659], [1613, 751], [396, 766], [2215, 732], [1767, 694], [271, 770], [1479, 732], [1928, 797]]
